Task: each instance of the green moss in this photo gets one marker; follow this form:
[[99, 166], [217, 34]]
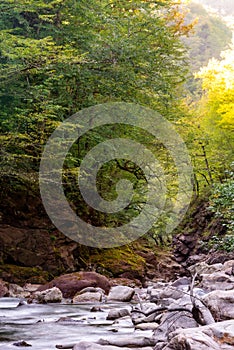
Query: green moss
[[22, 275], [119, 260]]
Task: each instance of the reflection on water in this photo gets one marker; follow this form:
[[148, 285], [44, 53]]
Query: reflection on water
[[38, 326]]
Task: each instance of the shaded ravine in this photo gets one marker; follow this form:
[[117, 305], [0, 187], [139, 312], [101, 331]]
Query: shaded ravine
[[37, 324]]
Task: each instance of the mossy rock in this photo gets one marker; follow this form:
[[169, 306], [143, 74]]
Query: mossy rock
[[21, 275], [118, 261]]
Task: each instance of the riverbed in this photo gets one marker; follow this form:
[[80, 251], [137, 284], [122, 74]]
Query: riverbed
[[38, 324]]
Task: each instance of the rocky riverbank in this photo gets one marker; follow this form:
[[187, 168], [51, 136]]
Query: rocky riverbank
[[194, 312]]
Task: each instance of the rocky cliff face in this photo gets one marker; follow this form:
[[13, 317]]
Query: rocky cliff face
[[33, 250], [190, 245]]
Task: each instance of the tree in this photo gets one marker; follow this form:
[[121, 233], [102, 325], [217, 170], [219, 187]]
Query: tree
[[58, 57]]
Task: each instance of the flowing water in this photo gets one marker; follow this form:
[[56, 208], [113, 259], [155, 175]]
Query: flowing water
[[37, 324]]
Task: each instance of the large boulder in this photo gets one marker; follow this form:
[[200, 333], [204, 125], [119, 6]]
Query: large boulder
[[217, 281], [73, 283], [218, 336], [170, 322], [203, 268], [121, 293], [221, 304]]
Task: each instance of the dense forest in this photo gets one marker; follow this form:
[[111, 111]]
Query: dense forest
[[60, 57]]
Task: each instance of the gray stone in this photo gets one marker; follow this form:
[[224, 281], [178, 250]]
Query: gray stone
[[183, 281], [218, 336], [120, 293], [15, 291], [52, 295], [88, 297], [129, 342], [147, 326], [221, 304], [217, 281], [172, 321], [115, 314], [204, 268], [92, 346]]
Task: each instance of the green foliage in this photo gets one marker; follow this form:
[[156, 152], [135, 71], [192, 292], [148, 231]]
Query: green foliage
[[222, 203], [58, 57], [218, 243]]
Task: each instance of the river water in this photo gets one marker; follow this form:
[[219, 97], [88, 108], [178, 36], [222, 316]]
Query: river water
[[37, 324]]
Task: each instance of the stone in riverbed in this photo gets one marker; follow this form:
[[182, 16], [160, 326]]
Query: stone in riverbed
[[120, 293], [221, 304], [172, 321], [22, 343], [115, 314], [15, 291], [217, 281], [147, 326], [218, 336], [92, 346], [129, 342], [88, 297], [3, 288], [52, 295], [73, 283]]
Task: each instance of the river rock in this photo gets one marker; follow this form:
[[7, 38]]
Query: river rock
[[221, 304], [22, 343], [115, 314], [130, 342], [92, 346], [3, 288], [169, 323], [218, 336], [72, 283], [147, 326], [217, 281], [203, 268], [171, 292], [182, 281], [140, 312], [31, 288], [15, 291], [88, 297], [228, 266], [52, 295], [120, 293]]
